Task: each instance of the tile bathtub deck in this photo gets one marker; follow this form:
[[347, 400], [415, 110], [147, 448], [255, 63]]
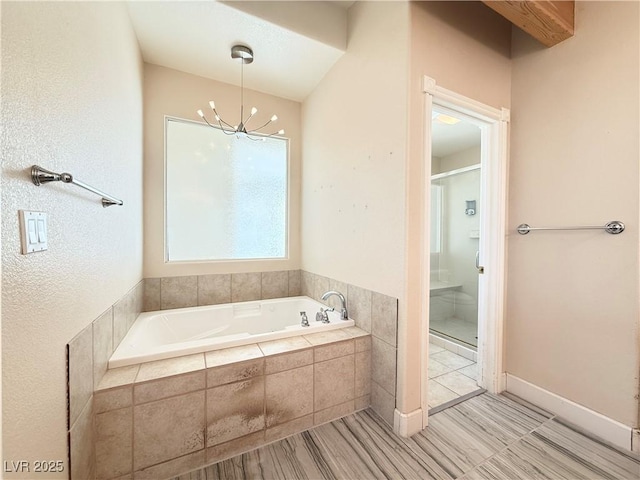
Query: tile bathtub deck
[[486, 437]]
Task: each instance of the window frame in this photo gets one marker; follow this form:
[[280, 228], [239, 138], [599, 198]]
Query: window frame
[[287, 219]]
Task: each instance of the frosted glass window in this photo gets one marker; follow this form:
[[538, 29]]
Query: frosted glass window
[[226, 197]]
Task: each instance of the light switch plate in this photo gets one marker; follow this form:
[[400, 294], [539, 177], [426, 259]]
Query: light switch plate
[[33, 231]]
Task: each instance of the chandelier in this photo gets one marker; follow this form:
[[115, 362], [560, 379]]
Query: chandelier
[[245, 54]]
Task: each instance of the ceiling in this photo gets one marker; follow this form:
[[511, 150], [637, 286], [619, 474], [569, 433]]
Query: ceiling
[[294, 43], [449, 139]]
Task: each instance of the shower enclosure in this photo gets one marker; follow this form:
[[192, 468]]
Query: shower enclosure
[[455, 228], [454, 248]]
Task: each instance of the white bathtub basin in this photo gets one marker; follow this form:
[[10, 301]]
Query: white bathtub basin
[[183, 331]]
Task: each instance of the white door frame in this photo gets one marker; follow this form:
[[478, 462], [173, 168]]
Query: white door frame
[[493, 124]]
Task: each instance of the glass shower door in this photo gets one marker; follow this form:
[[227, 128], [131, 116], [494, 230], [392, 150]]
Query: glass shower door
[[455, 234]]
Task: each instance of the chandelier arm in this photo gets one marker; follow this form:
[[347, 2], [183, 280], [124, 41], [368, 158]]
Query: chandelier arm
[[261, 127], [247, 120], [226, 132], [272, 134], [221, 121], [207, 121]]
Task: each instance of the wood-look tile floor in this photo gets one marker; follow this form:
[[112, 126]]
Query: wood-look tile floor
[[485, 437]]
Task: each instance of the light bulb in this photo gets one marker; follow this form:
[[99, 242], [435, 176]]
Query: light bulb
[[201, 113], [254, 110], [212, 105], [274, 118], [280, 132]]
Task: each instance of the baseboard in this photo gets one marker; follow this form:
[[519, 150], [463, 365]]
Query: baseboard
[[407, 424], [589, 420], [635, 440]]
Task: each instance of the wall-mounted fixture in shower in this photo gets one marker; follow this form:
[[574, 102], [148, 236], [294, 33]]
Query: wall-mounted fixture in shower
[[471, 207]]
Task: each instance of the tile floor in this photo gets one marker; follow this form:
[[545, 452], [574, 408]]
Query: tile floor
[[450, 376], [488, 437], [457, 328]]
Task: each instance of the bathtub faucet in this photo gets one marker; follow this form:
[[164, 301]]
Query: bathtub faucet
[[344, 315], [323, 315], [304, 321]]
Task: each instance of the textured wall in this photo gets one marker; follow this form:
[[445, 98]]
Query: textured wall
[[71, 101], [572, 306]]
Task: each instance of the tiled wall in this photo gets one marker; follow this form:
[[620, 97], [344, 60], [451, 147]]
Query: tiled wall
[[87, 357], [377, 314], [164, 418], [191, 291]]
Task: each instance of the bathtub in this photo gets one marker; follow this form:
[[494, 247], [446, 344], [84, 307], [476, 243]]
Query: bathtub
[[172, 333]]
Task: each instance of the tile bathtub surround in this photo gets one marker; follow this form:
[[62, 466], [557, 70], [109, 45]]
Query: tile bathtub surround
[[151, 294], [275, 284], [162, 418], [246, 287], [87, 357], [178, 292], [125, 312], [81, 444], [215, 289], [295, 283], [102, 344], [80, 362], [384, 310], [374, 313], [359, 306]]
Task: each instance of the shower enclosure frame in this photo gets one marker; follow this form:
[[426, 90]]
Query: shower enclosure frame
[[493, 124]]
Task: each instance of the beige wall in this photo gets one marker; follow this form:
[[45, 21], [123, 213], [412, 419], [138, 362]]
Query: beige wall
[[465, 158], [361, 199], [71, 101], [354, 148], [475, 63], [178, 94], [572, 313]]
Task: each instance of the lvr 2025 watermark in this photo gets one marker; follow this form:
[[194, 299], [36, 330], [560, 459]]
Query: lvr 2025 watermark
[[39, 466]]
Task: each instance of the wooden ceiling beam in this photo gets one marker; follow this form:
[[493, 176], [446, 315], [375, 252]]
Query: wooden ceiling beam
[[550, 22]]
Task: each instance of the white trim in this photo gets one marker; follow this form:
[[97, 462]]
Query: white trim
[[407, 424], [447, 98], [425, 280], [493, 124], [457, 171], [604, 427]]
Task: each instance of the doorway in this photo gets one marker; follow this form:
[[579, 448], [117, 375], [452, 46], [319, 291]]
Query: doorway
[[465, 184], [455, 228]]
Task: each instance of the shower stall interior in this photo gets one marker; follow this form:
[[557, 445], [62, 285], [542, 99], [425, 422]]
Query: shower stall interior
[[455, 237]]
